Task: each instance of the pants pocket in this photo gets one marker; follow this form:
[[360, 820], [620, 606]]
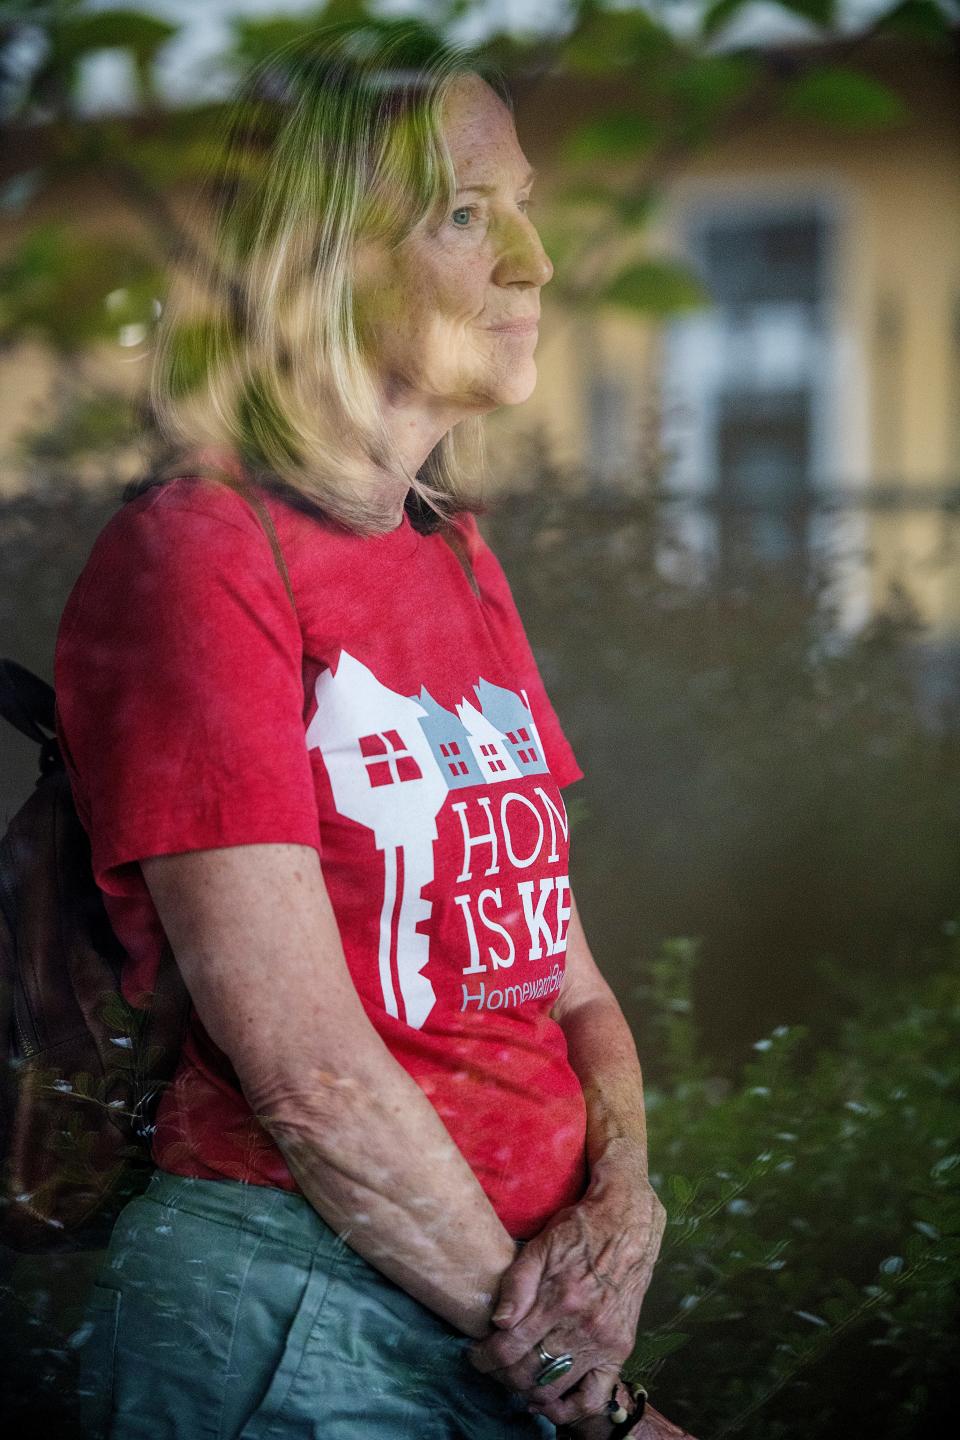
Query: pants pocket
[[98, 1361], [265, 1420], [180, 1277]]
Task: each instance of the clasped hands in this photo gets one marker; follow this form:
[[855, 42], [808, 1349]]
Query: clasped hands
[[576, 1288]]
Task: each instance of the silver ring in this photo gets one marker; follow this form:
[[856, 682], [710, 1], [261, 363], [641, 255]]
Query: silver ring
[[554, 1366]]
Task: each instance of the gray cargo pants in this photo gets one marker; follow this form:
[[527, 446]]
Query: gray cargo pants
[[233, 1312]]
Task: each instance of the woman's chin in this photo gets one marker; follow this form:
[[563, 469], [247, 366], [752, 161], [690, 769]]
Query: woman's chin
[[518, 386], [495, 392]]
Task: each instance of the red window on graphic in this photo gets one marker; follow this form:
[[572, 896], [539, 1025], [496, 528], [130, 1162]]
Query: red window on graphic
[[387, 758]]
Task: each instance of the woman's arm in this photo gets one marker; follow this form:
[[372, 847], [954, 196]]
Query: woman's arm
[[257, 943], [603, 1054], [582, 1280]]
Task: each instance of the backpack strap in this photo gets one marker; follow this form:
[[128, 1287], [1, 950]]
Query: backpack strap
[[455, 540], [244, 488], [28, 703], [236, 480], [26, 700]]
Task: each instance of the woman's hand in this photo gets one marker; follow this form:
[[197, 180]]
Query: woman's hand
[[576, 1287]]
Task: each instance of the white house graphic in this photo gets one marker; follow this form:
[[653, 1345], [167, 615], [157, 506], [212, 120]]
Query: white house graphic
[[488, 745], [392, 760]]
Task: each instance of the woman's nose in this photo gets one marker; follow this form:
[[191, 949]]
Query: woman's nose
[[521, 256]]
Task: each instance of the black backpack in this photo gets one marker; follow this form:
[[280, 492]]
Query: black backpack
[[82, 1069]]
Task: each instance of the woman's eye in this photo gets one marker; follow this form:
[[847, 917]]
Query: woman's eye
[[468, 211]]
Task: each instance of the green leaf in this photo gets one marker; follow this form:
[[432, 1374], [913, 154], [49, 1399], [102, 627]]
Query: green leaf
[[116, 1013], [142, 35], [658, 287], [611, 39], [86, 425], [821, 12], [563, 242], [717, 15], [163, 160], [843, 97], [585, 192], [652, 1348], [705, 89], [921, 20], [619, 135], [916, 1248], [56, 285], [256, 40], [635, 209], [681, 1189]]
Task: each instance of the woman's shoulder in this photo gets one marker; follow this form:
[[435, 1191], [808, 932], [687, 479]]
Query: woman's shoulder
[[169, 503], [196, 518], [174, 544], [157, 508]]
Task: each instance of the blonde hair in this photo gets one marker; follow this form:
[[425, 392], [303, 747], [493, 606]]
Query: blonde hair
[[330, 141]]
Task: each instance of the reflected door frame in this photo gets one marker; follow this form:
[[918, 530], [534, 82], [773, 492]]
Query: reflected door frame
[[697, 361]]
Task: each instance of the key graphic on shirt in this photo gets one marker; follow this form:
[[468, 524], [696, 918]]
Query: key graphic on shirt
[[384, 776], [392, 761]]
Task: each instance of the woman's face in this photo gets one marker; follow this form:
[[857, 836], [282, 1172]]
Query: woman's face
[[450, 315]]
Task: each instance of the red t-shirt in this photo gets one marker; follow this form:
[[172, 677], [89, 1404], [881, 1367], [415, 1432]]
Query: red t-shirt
[[397, 724]]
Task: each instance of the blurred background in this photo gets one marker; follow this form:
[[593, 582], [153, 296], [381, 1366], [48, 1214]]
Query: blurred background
[[730, 514]]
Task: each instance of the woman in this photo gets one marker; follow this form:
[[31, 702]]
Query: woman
[[329, 775]]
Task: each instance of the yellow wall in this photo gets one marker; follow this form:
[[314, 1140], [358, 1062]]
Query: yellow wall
[[894, 196]]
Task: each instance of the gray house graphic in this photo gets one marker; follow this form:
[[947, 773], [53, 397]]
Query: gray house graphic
[[450, 742], [512, 717]]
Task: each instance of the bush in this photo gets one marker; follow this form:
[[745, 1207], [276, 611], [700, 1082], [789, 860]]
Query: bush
[[809, 1279]]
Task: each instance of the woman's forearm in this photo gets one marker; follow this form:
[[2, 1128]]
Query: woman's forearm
[[376, 1162], [257, 942], [602, 1053], [604, 1058]]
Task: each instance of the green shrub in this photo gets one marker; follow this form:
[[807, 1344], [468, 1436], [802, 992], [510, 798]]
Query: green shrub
[[809, 1279]]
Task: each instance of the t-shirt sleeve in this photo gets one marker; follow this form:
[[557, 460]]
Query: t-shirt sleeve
[[512, 638], [178, 673]]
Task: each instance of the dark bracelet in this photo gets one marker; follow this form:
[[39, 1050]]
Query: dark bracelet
[[624, 1423], [621, 1422]]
